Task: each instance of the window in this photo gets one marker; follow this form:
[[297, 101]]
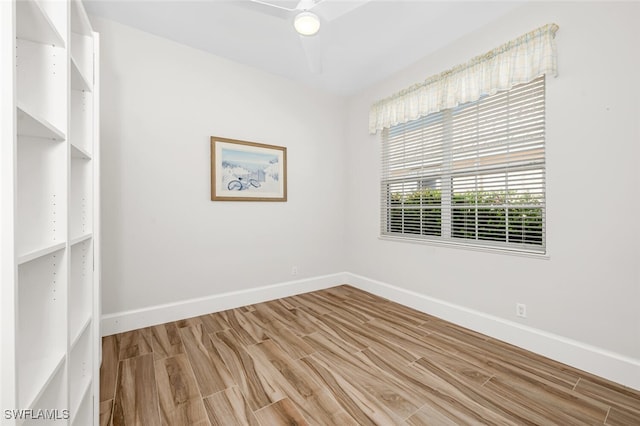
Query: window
[[472, 175]]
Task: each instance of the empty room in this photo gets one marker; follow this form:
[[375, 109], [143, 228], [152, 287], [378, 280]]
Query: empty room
[[319, 212]]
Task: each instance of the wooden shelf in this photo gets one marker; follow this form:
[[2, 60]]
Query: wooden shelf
[[37, 376], [81, 47], [80, 368], [42, 82], [80, 198], [41, 321], [80, 239], [80, 289], [33, 24], [81, 123], [78, 334], [29, 124], [78, 152], [52, 177], [78, 80], [80, 411], [41, 194], [35, 254], [81, 414], [79, 19], [53, 393]]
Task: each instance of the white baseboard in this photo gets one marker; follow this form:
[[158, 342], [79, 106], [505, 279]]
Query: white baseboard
[[615, 367], [618, 368], [139, 318]]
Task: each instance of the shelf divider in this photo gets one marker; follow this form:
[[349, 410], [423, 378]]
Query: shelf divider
[[81, 238], [78, 81], [78, 152], [34, 24], [29, 124], [79, 19], [78, 334], [46, 369], [35, 254], [83, 393]]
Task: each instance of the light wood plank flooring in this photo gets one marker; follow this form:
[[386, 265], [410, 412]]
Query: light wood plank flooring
[[342, 357]]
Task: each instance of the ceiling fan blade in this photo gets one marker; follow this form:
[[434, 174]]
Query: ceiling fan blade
[[313, 52], [333, 9], [308, 4], [266, 8]]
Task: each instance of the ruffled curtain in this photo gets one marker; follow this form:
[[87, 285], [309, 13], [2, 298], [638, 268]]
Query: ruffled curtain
[[518, 61]]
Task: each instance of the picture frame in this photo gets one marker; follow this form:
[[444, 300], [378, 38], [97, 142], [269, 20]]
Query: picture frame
[[247, 171]]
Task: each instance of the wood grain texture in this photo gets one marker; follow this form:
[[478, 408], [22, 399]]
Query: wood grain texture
[[109, 368], [283, 412], [136, 399], [166, 341], [295, 380], [134, 343], [229, 408], [210, 370], [248, 376], [180, 399], [106, 411], [342, 357]]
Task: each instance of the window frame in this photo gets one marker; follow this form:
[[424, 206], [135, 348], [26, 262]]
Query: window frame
[[446, 176]]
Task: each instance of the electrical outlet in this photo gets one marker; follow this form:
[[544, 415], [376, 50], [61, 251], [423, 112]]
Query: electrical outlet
[[521, 310], [294, 270]]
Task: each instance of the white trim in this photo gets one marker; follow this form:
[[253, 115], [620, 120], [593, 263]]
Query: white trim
[[97, 221], [405, 238], [601, 362], [139, 318]]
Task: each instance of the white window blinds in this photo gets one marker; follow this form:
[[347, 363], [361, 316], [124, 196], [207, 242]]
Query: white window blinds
[[474, 174]]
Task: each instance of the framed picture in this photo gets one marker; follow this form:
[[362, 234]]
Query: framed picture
[[247, 171]]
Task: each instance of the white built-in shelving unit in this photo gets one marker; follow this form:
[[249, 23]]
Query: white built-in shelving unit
[[49, 222]]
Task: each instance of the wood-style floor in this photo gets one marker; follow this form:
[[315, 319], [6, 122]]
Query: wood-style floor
[[342, 357]]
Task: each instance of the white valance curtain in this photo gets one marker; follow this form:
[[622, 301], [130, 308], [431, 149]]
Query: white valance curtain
[[518, 61]]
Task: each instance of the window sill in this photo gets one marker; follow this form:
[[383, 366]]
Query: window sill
[[472, 247]]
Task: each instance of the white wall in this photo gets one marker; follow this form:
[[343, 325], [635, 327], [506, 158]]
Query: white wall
[[588, 290], [164, 240]]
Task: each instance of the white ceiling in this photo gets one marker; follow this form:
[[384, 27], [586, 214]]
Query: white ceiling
[[371, 41]]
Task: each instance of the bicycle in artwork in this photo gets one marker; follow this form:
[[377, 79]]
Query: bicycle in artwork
[[241, 184]]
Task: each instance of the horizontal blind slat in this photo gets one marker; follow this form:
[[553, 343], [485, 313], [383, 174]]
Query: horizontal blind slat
[[493, 160]]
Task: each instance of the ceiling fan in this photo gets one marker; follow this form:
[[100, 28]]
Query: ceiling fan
[[307, 17]]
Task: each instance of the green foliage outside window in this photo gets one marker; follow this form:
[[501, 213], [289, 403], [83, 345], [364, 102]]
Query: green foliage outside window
[[487, 215]]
